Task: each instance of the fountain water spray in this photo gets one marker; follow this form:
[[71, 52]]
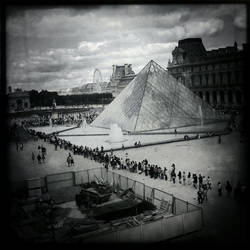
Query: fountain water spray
[[115, 134]]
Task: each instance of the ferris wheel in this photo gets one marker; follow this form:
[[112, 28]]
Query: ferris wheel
[[97, 79]]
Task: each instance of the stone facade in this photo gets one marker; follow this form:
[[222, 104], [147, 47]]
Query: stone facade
[[120, 78], [215, 75], [18, 101]]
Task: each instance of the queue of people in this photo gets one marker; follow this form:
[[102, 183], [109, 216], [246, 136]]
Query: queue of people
[[200, 182]]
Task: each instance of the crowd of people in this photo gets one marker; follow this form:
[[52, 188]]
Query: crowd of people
[[199, 182], [61, 119]]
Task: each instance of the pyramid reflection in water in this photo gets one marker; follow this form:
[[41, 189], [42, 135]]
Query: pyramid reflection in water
[[155, 100]]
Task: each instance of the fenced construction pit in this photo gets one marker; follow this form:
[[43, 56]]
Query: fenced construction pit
[[97, 205]]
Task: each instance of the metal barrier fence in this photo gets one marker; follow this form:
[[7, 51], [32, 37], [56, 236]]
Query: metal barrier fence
[[166, 228], [181, 217], [54, 182]]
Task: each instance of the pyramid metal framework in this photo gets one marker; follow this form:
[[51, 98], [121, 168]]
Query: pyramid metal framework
[[155, 100]]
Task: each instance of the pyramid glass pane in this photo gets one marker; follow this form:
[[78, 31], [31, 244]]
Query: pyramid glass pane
[[155, 100]]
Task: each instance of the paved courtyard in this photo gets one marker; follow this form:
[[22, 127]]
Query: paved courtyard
[[224, 218]]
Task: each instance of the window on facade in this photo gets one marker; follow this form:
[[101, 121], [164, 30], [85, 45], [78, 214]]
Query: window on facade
[[236, 77], [229, 77], [200, 94], [192, 81], [221, 78], [214, 79], [214, 97], [207, 80], [207, 96], [238, 97], [222, 97], [230, 96]]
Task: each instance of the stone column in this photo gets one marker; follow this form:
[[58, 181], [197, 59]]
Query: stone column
[[204, 96], [234, 98], [242, 97], [226, 97], [218, 97], [211, 97]]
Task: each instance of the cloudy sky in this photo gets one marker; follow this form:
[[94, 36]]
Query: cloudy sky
[[59, 48]]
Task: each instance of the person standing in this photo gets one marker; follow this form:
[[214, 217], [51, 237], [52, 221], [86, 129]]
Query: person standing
[[228, 188], [184, 178], [200, 196], [33, 157], [72, 161], [195, 180], [43, 157], [39, 158], [219, 186], [179, 176], [69, 160], [189, 178], [200, 179], [205, 192], [165, 174], [174, 176], [209, 183]]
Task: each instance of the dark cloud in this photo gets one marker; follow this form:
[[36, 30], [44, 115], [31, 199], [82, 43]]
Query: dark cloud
[[59, 47]]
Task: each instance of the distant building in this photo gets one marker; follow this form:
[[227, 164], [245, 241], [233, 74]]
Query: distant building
[[18, 100], [215, 75], [91, 88], [88, 88], [120, 78]]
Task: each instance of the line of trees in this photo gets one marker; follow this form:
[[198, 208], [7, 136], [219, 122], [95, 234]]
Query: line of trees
[[45, 98]]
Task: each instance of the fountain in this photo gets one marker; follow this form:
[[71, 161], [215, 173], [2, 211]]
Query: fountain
[[115, 134]]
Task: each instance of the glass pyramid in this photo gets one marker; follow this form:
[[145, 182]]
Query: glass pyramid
[[155, 100]]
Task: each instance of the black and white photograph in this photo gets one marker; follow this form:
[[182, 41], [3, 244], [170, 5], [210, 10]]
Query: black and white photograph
[[127, 123]]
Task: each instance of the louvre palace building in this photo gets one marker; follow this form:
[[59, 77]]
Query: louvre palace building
[[217, 76]]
